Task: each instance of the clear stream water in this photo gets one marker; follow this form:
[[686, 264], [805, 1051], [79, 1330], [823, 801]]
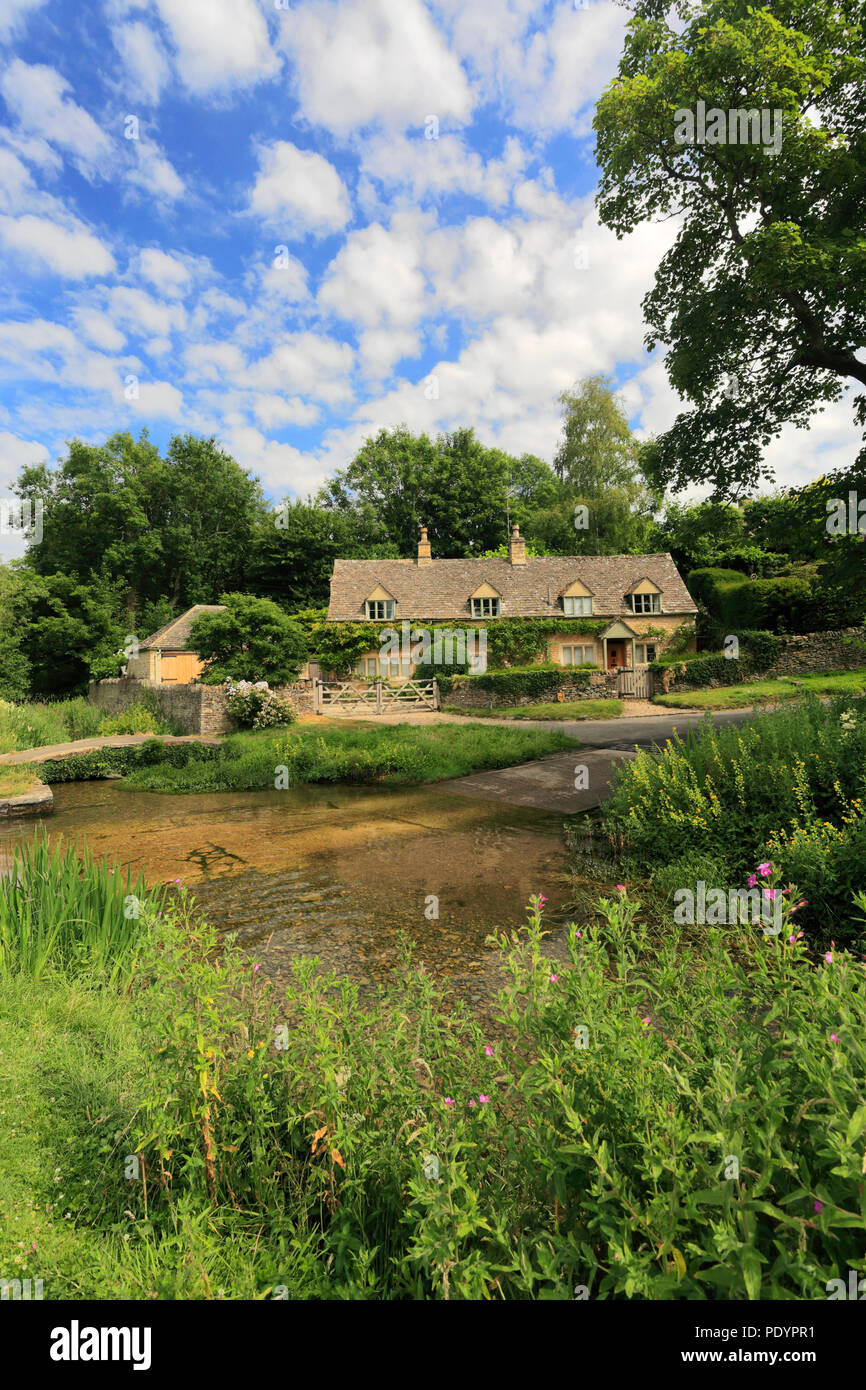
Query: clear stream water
[[336, 872]]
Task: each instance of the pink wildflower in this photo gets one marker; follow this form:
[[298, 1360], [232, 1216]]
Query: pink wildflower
[[488, 1052], [542, 898], [829, 957], [471, 1104], [752, 880], [819, 1206], [765, 870], [833, 1038], [553, 979], [448, 1100], [769, 892], [484, 1099], [646, 1020], [620, 887]]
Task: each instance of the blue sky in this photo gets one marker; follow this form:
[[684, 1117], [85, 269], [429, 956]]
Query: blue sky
[[329, 218]]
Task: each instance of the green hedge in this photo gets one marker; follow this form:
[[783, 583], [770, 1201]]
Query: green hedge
[[512, 684], [758, 651], [117, 762], [733, 601]]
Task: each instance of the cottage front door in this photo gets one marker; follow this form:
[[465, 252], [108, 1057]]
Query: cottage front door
[[616, 653]]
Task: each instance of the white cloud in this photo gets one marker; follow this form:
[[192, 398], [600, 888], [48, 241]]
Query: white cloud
[[152, 172], [375, 279], [70, 251], [158, 400], [99, 329], [220, 44], [443, 166], [165, 272], [360, 62], [305, 364], [144, 59], [37, 97], [299, 191], [14, 14], [143, 314]]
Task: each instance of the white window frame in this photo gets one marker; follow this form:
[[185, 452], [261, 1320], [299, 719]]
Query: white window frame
[[646, 603], [386, 604], [588, 651], [643, 648], [490, 611], [577, 605]]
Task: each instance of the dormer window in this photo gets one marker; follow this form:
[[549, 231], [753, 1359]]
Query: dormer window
[[646, 603], [380, 605], [380, 608], [486, 602], [576, 600]]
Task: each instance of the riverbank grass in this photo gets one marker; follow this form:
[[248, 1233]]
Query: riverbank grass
[[361, 752], [767, 692]]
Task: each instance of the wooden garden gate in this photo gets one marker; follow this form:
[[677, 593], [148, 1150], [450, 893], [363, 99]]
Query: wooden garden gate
[[635, 683], [375, 697]]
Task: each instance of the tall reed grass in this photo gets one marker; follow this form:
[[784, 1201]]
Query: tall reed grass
[[62, 909]]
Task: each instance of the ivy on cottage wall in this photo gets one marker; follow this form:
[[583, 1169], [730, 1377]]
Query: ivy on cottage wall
[[515, 641]]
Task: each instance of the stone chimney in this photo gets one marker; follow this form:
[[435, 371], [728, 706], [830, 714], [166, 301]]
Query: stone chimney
[[425, 556], [516, 548]]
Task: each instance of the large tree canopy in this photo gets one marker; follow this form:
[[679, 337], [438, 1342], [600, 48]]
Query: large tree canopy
[[761, 300], [178, 527], [462, 490]]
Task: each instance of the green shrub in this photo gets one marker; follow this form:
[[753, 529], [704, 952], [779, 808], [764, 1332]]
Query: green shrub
[[511, 685], [762, 789], [137, 719]]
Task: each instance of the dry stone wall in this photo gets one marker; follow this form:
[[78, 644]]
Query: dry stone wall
[[194, 709]]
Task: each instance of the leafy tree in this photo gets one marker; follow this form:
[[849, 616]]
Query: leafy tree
[[251, 639], [760, 300], [179, 528], [66, 629], [460, 489], [14, 666], [598, 463], [295, 549]]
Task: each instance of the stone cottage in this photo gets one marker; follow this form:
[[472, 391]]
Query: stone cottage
[[642, 599]]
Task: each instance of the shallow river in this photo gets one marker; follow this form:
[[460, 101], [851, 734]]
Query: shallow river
[[336, 872]]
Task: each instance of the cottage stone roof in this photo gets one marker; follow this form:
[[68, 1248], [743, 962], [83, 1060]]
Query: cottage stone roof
[[174, 637], [442, 588]]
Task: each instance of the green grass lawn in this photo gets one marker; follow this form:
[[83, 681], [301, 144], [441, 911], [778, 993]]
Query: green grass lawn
[[567, 709], [767, 692], [15, 781], [359, 752]]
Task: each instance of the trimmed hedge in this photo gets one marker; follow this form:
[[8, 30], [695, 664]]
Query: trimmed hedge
[[733, 601], [516, 682]]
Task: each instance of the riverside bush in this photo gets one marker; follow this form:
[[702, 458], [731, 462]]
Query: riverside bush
[[705, 1142], [792, 780]]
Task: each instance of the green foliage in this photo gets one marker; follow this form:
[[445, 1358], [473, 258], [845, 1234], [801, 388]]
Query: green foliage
[[598, 461], [758, 301], [63, 628], [359, 752], [251, 639], [510, 686], [454, 485], [285, 1135], [61, 908], [733, 601], [294, 553], [137, 719], [176, 530], [565, 709], [769, 788]]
